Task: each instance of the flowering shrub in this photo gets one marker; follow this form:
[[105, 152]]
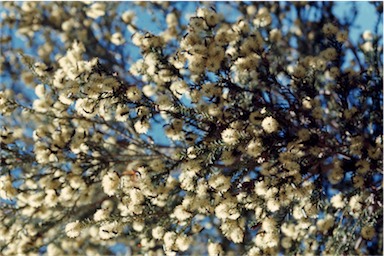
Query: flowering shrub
[[254, 133]]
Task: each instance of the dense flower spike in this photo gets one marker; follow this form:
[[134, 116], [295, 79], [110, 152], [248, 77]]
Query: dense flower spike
[[190, 131]]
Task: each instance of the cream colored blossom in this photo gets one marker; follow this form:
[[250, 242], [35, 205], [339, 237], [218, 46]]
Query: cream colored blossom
[[230, 136], [122, 113], [227, 210], [117, 38], [73, 229], [270, 124], [183, 242], [110, 183], [215, 249], [128, 16], [181, 214], [367, 35], [338, 201], [254, 148], [367, 47], [141, 126], [191, 152], [307, 103], [263, 18], [96, 10], [158, 232], [220, 182], [109, 230], [169, 240], [7, 191], [133, 93], [101, 214], [51, 199], [233, 230], [355, 204], [138, 226]]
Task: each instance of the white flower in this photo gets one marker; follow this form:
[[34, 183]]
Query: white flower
[[367, 35], [51, 199], [337, 201], [227, 210], [171, 19], [136, 196], [7, 191], [325, 224], [191, 152], [263, 18], [187, 181], [100, 215], [110, 183], [233, 231], [367, 47], [73, 229], [179, 88], [117, 38], [40, 90], [181, 214], [164, 102], [141, 126], [128, 16], [215, 249], [183, 242], [254, 251], [158, 232], [149, 90], [133, 93], [307, 103], [96, 10], [273, 205], [269, 225], [254, 148], [169, 240], [271, 239], [109, 230], [67, 194], [261, 188], [269, 124], [138, 226], [220, 182], [122, 112], [236, 235], [230, 136], [355, 204]]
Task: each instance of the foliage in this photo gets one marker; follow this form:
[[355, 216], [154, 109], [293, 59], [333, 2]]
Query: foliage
[[208, 135]]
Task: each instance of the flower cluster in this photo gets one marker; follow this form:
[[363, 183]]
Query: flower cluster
[[256, 133]]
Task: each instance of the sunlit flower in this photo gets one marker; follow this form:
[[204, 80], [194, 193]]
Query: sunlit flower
[[117, 38], [269, 124], [73, 229], [141, 126], [230, 136], [109, 230], [338, 201], [96, 10]]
